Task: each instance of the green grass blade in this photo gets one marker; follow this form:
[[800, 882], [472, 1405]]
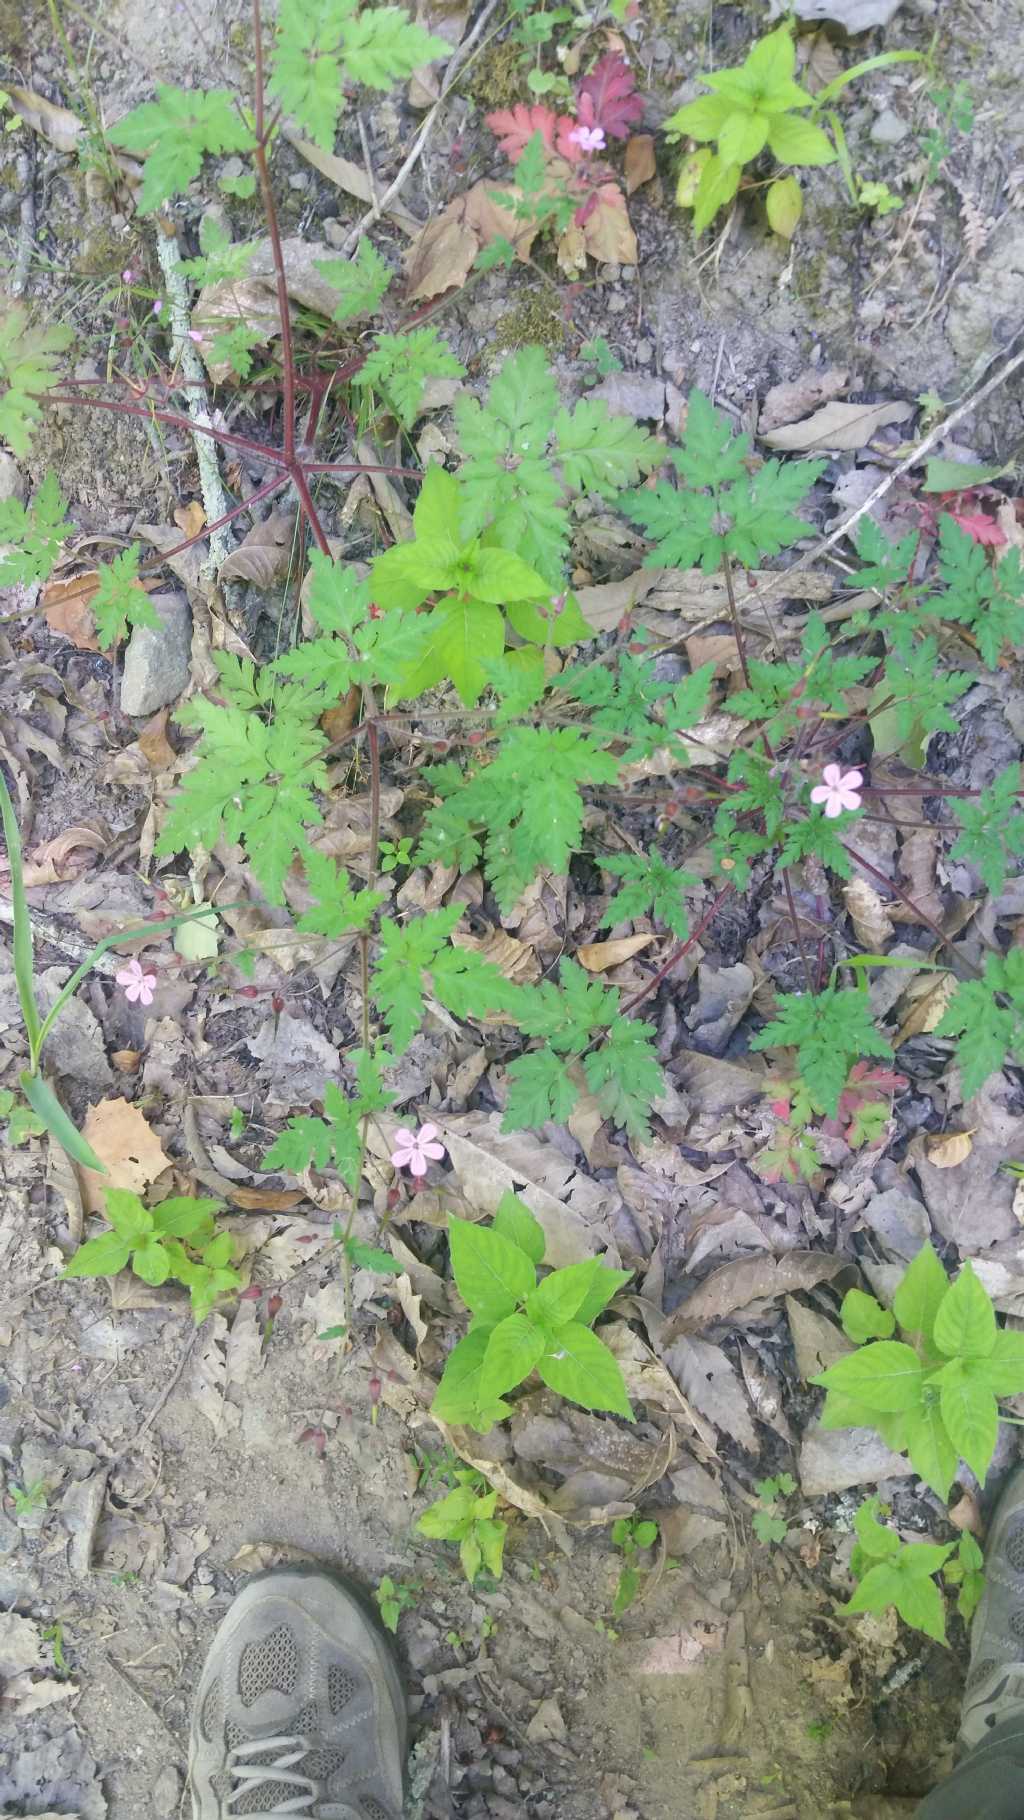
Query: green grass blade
[[42, 1099], [23, 968]]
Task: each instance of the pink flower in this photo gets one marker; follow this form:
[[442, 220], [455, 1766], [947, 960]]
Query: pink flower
[[838, 790], [139, 986], [588, 138], [413, 1149], [196, 335], [127, 276], [158, 305]]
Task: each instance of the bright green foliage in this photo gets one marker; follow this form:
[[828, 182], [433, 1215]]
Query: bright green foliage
[[650, 885], [932, 1394], [466, 1516], [986, 597], [522, 812], [520, 1325], [821, 835], [887, 565], [36, 531], [966, 1570], [988, 1017], [724, 510], [398, 366], [993, 828], [830, 1030], [22, 1122], [623, 1071], [174, 133], [321, 44], [357, 645], [220, 260], [360, 281], [780, 694], [393, 1597], [864, 1318], [120, 601], [625, 699], [631, 1534], [336, 1138], [525, 455], [339, 910], [236, 347], [757, 104], [460, 979], [255, 779], [28, 363], [919, 693], [891, 1572], [476, 584], [176, 1239], [759, 795], [768, 1524]]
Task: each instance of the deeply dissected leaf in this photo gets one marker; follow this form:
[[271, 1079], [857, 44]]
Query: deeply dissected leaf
[[28, 362], [360, 281], [607, 97], [830, 1029], [175, 132], [36, 532], [398, 366]]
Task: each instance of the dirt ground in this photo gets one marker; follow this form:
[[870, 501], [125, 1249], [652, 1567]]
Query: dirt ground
[[175, 1463]]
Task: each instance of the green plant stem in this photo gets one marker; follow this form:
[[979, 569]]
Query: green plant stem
[[22, 942]]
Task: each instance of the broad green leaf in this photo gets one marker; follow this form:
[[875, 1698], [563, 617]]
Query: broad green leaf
[[970, 1417], [920, 1294], [151, 1263], [881, 1586], [492, 1276], [457, 1398], [864, 1318], [931, 1451], [796, 141], [1003, 1369], [490, 1535], [965, 1324], [513, 1349], [447, 1519], [920, 1559], [127, 1215], [561, 1295], [181, 1217], [103, 1256], [877, 1541], [577, 1365], [606, 1284], [919, 1602], [514, 1221], [499, 576], [884, 1376], [462, 637], [718, 185], [370, 1257]]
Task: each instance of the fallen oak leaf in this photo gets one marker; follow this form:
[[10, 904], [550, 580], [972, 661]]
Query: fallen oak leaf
[[126, 1145], [597, 957]]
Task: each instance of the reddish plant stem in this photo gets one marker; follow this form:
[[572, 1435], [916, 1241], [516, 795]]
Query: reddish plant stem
[[306, 500], [677, 953], [891, 885], [274, 232], [151, 413], [797, 931]]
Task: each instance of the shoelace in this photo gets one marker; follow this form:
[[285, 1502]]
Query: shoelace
[[247, 1776]]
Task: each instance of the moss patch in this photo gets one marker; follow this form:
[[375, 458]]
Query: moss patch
[[498, 79], [537, 320]]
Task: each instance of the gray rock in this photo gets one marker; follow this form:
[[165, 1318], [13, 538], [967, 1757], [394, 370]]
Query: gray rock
[[214, 219], [166, 1794], [10, 1535], [984, 314], [633, 394], [889, 128], [13, 484], [855, 15], [156, 663], [75, 1045], [834, 1459], [898, 1218], [335, 231]]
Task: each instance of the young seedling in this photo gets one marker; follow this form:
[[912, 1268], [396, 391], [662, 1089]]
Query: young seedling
[[29, 1498], [768, 1524], [393, 1597], [631, 1534], [177, 1239], [466, 1517]]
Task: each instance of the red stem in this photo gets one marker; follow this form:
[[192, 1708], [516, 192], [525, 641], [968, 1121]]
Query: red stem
[[677, 953], [891, 885], [274, 232]]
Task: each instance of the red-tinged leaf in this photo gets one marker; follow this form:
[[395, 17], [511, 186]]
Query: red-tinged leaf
[[607, 97], [983, 529], [514, 127], [316, 1438]]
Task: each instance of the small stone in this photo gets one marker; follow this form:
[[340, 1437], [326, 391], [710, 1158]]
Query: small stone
[[609, 272], [10, 1535], [616, 303], [644, 352], [13, 484], [547, 1723], [232, 168], [334, 231], [156, 663], [888, 128], [299, 180], [166, 1795]]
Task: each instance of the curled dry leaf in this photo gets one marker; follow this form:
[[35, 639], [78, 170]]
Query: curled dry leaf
[[67, 611], [607, 231], [736, 1285], [597, 957], [154, 744], [947, 1149], [441, 257], [838, 426], [515, 959], [62, 128], [791, 399], [264, 554], [872, 924], [924, 1004], [639, 165], [351, 178], [130, 1149], [64, 857], [190, 518]]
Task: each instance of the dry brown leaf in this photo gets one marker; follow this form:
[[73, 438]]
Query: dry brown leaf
[[872, 924], [821, 65], [718, 648], [515, 959], [732, 1287], [947, 1149], [442, 255], [130, 1149], [190, 518], [154, 744], [52, 863], [264, 554], [838, 426], [791, 399], [709, 1380], [918, 859], [67, 611], [126, 1060], [349, 177], [965, 1514], [597, 957], [639, 164], [57, 124], [924, 1004], [608, 232], [604, 605]]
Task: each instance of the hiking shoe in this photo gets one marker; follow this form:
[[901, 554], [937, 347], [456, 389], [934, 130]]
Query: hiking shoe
[[995, 1680], [299, 1710]]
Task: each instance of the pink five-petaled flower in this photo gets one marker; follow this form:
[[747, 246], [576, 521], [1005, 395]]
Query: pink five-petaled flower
[[838, 790], [414, 1149], [588, 138], [139, 986]]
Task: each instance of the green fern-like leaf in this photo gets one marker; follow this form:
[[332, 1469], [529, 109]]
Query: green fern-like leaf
[[34, 533], [830, 1030], [174, 133], [120, 601], [400, 365], [360, 281], [28, 365]]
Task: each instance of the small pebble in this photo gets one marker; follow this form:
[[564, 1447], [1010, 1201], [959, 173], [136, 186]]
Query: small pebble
[[888, 128], [334, 231]]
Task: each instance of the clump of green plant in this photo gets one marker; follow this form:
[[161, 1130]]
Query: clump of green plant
[[520, 1325], [393, 1597], [932, 1394], [29, 1498], [768, 1524], [22, 1122], [754, 107], [177, 1239], [889, 1571], [466, 1517], [632, 1535]]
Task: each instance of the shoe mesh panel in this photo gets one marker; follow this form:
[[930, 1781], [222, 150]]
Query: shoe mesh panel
[[979, 1673], [269, 1666], [1014, 1546], [340, 1687], [372, 1810], [1017, 1623], [210, 1717]]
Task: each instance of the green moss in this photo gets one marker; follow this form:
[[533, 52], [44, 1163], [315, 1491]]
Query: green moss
[[536, 320], [98, 254], [499, 79]]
